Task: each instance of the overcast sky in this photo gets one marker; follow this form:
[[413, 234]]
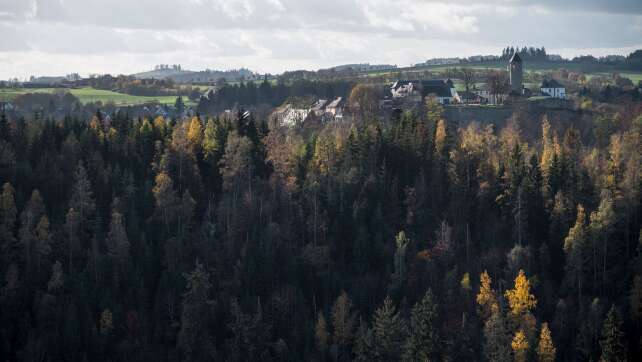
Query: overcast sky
[[55, 37]]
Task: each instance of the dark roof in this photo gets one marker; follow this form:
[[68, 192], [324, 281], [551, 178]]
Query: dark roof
[[400, 83], [439, 87], [515, 58], [468, 95], [551, 83]]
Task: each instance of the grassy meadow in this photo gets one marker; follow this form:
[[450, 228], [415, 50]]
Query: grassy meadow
[[88, 94]]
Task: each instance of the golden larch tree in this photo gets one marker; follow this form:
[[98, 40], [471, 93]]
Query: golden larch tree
[[520, 346], [520, 298], [486, 297], [545, 349]]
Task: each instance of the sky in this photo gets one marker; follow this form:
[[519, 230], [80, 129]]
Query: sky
[[57, 37]]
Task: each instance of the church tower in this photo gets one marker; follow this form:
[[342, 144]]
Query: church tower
[[516, 76]]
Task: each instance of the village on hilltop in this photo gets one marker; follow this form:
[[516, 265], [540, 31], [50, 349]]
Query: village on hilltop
[[408, 94]]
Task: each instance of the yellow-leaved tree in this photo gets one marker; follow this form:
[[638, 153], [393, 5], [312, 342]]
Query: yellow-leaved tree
[[520, 298], [195, 134], [486, 297], [520, 346], [545, 349]]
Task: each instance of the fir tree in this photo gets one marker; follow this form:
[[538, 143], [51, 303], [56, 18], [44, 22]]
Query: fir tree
[[389, 331], [613, 341], [423, 341], [194, 338], [497, 338]]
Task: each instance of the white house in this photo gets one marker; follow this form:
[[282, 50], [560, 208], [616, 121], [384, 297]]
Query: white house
[[289, 116], [415, 91], [335, 109], [552, 88]]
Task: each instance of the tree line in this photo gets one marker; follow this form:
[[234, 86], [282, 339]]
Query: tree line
[[249, 94], [225, 239]]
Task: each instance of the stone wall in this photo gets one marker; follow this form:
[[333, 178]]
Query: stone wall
[[527, 114]]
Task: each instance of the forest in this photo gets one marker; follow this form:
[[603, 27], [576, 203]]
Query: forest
[[222, 238]]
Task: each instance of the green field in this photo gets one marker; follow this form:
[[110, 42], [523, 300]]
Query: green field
[[529, 66], [87, 95]]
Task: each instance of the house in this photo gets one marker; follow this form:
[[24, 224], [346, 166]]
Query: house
[[289, 116], [319, 107], [415, 91], [470, 97], [443, 90], [6, 106], [402, 89], [335, 109], [552, 88]]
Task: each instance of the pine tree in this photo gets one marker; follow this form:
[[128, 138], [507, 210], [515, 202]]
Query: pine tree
[[5, 130], [613, 341], [545, 349], [497, 338], [601, 223], [364, 344], [82, 200], [72, 222], [398, 276], [43, 238], [343, 321], [575, 246], [34, 232], [250, 335], [635, 298], [423, 342], [57, 280], [106, 322], [118, 246], [389, 330], [194, 338], [186, 212], [8, 213], [321, 333], [179, 106]]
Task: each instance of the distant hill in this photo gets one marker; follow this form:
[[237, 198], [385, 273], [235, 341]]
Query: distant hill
[[162, 74], [189, 76]]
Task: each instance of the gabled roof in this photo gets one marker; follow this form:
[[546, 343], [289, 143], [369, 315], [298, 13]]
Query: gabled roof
[[335, 103], [551, 83], [516, 58], [319, 104], [400, 83], [439, 87]]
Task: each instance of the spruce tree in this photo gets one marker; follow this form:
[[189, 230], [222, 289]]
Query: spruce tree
[[423, 341], [497, 342], [8, 213], [343, 320], [194, 338], [613, 341], [389, 330]]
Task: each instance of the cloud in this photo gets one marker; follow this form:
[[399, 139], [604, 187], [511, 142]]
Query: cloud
[[54, 36]]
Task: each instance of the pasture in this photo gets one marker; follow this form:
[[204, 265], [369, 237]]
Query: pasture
[[88, 95]]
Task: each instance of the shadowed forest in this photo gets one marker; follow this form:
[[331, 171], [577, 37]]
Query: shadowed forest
[[198, 239]]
